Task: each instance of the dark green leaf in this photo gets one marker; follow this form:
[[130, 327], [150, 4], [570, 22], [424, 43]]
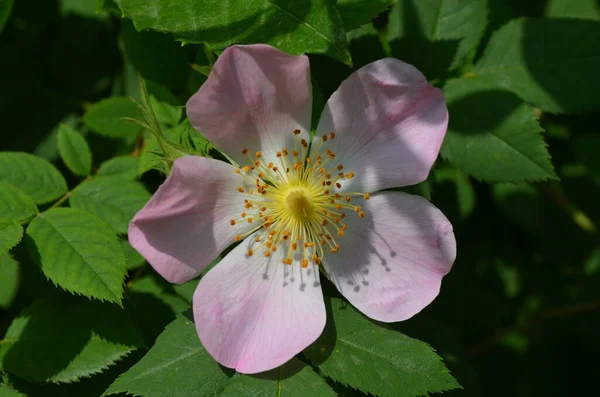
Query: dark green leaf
[[74, 151], [355, 13], [104, 117], [15, 205], [79, 252], [551, 63], [435, 35], [5, 8], [124, 167], [113, 199], [34, 175], [356, 352], [10, 235], [294, 27], [293, 379], [9, 281], [64, 339], [493, 135], [586, 9], [6, 391], [176, 366], [157, 56]]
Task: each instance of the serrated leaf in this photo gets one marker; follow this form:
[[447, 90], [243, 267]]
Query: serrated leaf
[[356, 352], [6, 391], [15, 205], [493, 135], [10, 235], [124, 167], [64, 339], [104, 117], [176, 366], [9, 280], [550, 63], [355, 13], [294, 27], [157, 56], [436, 35], [586, 9], [74, 151], [5, 8], [34, 175], [79, 252], [293, 379], [114, 200]]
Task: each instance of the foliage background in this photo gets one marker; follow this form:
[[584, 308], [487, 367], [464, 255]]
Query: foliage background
[[519, 177]]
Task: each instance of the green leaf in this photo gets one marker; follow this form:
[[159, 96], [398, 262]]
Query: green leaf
[[5, 8], [124, 167], [165, 112], [132, 257], [10, 235], [114, 200], [356, 352], [550, 63], [437, 35], [294, 27], [157, 56], [15, 205], [493, 135], [355, 13], [6, 391], [151, 303], [34, 175], [293, 379], [176, 366], [586, 9], [104, 117], [74, 151], [78, 252], [64, 339], [9, 281]]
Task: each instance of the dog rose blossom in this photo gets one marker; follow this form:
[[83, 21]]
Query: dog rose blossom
[[298, 206]]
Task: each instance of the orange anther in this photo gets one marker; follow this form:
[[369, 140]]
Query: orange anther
[[304, 263], [340, 167], [244, 151], [267, 254], [332, 135], [237, 238], [237, 170], [246, 168], [366, 196], [243, 214], [296, 132], [232, 222], [350, 175], [361, 214], [240, 189], [258, 155], [250, 252], [324, 137]]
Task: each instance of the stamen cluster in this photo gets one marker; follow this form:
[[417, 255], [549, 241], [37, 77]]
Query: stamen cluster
[[296, 205]]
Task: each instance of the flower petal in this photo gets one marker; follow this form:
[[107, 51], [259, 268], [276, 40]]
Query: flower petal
[[254, 98], [390, 123], [255, 313], [185, 225], [390, 263]]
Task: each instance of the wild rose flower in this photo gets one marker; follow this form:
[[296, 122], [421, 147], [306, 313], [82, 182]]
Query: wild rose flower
[[298, 205]]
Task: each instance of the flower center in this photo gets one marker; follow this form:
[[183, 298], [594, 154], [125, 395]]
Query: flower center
[[299, 205], [300, 210]]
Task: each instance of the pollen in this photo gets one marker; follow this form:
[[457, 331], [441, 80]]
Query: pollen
[[297, 207]]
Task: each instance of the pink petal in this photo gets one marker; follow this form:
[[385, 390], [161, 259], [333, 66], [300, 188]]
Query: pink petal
[[255, 313], [254, 98], [185, 225], [390, 263], [390, 123]]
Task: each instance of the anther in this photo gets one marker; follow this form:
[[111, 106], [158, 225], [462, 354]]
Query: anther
[[240, 189], [246, 168], [267, 254], [237, 170], [350, 175], [237, 238], [244, 151], [366, 196], [250, 220], [340, 167], [258, 155], [250, 252], [324, 137], [296, 132], [232, 222], [361, 214], [304, 263], [332, 135]]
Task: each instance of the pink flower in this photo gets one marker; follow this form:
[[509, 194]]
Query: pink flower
[[298, 205]]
